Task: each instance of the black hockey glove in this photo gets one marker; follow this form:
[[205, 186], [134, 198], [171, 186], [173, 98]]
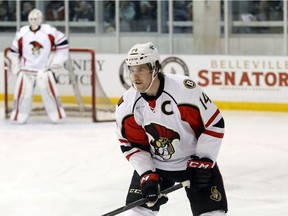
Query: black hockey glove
[[199, 172], [149, 182]]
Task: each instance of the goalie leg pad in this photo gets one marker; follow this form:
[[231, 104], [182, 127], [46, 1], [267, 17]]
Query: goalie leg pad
[[23, 97], [47, 84]]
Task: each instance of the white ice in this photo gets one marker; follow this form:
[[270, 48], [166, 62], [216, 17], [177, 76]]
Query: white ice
[[77, 169]]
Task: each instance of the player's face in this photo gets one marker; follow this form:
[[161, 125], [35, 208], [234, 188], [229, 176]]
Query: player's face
[[140, 76]]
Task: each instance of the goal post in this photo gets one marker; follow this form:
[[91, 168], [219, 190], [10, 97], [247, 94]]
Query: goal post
[[79, 87]]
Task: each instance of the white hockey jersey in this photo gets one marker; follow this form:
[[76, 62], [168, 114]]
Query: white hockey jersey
[[34, 47], [164, 131]]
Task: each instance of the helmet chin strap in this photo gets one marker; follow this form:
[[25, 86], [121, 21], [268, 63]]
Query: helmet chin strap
[[154, 75]]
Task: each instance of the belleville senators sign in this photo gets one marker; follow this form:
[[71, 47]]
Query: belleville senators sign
[[232, 79]]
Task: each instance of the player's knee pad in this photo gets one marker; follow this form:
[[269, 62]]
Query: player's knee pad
[[23, 97], [47, 84], [140, 211]]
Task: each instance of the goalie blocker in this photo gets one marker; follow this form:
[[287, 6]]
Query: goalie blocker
[[23, 95]]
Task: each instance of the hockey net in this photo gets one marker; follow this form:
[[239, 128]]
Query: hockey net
[[79, 87]]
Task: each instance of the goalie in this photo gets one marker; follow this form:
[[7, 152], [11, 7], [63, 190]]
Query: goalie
[[31, 61]]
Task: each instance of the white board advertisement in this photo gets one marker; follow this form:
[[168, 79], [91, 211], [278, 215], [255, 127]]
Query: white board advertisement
[[223, 78]]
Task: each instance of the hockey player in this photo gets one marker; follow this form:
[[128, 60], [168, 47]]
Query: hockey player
[[170, 131], [31, 50]]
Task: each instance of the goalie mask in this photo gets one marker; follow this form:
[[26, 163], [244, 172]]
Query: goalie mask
[[35, 18], [145, 53]]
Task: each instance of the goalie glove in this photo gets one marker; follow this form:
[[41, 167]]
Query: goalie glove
[[199, 172], [149, 182]]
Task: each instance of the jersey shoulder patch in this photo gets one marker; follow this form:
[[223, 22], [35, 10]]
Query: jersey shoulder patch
[[188, 83], [121, 100]]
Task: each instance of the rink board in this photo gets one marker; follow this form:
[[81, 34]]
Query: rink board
[[233, 82]]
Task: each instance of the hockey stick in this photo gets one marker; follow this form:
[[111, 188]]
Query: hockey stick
[[144, 200]]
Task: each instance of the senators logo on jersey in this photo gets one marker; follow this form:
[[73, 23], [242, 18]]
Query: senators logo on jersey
[[162, 140], [36, 47]]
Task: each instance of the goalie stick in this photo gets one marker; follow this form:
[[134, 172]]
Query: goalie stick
[[144, 200]]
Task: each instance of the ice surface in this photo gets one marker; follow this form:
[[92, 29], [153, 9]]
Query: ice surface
[[77, 169]]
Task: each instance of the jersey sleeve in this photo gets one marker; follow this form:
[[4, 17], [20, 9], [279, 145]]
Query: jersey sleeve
[[133, 140], [61, 48], [16, 48], [17, 43], [205, 120]]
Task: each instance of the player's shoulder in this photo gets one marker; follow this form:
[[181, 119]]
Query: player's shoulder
[[177, 81], [129, 96], [23, 30], [48, 28], [181, 88], [127, 100]]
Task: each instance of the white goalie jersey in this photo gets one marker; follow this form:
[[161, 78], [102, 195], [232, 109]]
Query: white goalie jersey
[[164, 131], [34, 50]]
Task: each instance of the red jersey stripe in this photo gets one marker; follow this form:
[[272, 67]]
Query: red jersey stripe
[[212, 118], [213, 133], [129, 155], [123, 141]]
